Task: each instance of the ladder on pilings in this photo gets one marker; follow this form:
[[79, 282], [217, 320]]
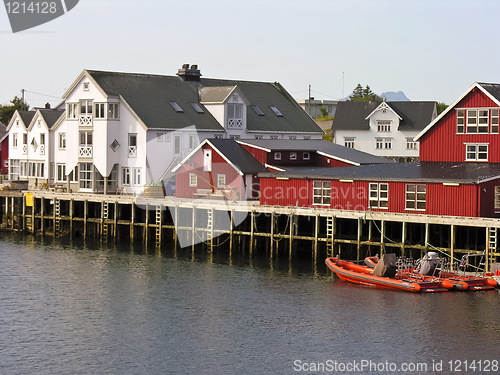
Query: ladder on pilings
[[105, 217], [210, 227], [491, 248], [330, 233], [158, 221], [57, 217]]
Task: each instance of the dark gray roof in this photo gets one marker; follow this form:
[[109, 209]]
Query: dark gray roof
[[437, 172], [319, 145], [240, 157], [3, 131], [27, 116], [492, 88], [51, 116], [148, 95], [415, 115]]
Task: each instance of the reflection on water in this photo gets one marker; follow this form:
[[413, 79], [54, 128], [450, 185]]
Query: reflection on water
[[82, 309]]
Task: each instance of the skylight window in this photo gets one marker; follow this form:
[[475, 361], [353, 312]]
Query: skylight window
[[277, 112], [257, 110], [197, 108], [176, 107]]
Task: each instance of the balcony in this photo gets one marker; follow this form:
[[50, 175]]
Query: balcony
[[85, 151], [235, 123], [86, 120], [132, 151]]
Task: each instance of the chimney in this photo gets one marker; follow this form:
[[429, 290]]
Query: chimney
[[47, 105], [189, 73]]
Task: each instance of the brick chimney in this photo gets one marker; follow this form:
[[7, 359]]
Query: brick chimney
[[189, 73]]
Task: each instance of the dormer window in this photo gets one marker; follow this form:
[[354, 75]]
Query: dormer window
[[176, 107], [257, 110], [276, 111], [383, 126], [234, 115]]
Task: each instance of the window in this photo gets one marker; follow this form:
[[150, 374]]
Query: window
[[411, 144], [62, 141], [221, 181], [72, 111], [193, 180], [379, 196], [136, 176], [193, 141], [277, 156], [60, 172], [322, 192], [25, 138], [292, 137], [349, 142], [132, 145], [218, 136], [416, 197], [85, 144], [86, 86], [274, 137], [24, 169], [383, 126], [234, 136], [197, 107], [177, 108], [14, 169], [497, 198], [293, 156], [383, 143], [86, 107], [477, 121], [14, 140], [276, 111], [234, 115], [126, 176], [476, 152], [42, 138], [114, 145], [100, 110], [113, 113], [259, 137], [73, 176], [306, 156], [159, 137], [257, 110], [86, 176], [177, 144]]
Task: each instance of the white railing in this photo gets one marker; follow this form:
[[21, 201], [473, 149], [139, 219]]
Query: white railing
[[132, 151], [86, 151], [86, 120], [234, 123]]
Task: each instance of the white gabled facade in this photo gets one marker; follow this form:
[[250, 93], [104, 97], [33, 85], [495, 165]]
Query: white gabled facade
[[18, 145]]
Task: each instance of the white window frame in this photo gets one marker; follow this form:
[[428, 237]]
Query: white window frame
[[113, 111], [306, 156], [476, 151], [86, 176], [61, 141], [221, 181], [15, 140], [293, 156], [100, 110], [322, 193], [72, 111], [416, 200], [132, 145], [137, 176], [497, 199], [60, 172], [277, 156], [14, 169], [193, 180], [411, 144], [126, 176], [383, 126], [378, 195], [349, 142]]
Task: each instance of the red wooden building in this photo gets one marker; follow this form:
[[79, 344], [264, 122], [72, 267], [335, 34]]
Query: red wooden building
[[467, 131], [4, 149], [432, 188]]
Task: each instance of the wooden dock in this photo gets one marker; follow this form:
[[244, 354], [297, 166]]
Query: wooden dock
[[319, 232]]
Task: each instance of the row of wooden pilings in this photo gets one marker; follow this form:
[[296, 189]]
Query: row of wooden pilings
[[315, 232]]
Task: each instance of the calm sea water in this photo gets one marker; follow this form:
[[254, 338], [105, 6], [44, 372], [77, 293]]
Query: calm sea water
[[78, 310]]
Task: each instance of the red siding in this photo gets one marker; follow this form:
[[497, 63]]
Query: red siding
[[4, 156], [487, 198], [206, 180], [460, 200], [257, 153], [441, 143]]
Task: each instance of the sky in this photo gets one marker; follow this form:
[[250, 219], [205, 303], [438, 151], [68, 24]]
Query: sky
[[429, 49]]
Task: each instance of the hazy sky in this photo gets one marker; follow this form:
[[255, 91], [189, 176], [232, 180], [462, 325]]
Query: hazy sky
[[430, 49]]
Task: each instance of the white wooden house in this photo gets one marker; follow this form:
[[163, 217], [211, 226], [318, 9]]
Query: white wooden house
[[122, 131], [384, 129]]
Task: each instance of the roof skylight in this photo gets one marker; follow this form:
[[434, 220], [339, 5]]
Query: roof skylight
[[176, 107], [277, 112], [197, 107], [257, 110]]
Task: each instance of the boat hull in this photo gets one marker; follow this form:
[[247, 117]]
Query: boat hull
[[357, 274]]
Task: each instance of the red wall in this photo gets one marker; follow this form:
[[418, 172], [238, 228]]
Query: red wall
[[206, 180], [460, 200], [441, 143], [4, 149], [257, 153]]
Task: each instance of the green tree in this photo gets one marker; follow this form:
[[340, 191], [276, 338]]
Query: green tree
[[7, 111], [365, 94], [441, 107]]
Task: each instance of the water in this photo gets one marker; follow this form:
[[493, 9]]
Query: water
[[74, 310]]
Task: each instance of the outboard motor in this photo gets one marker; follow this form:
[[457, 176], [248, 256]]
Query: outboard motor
[[428, 264]]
